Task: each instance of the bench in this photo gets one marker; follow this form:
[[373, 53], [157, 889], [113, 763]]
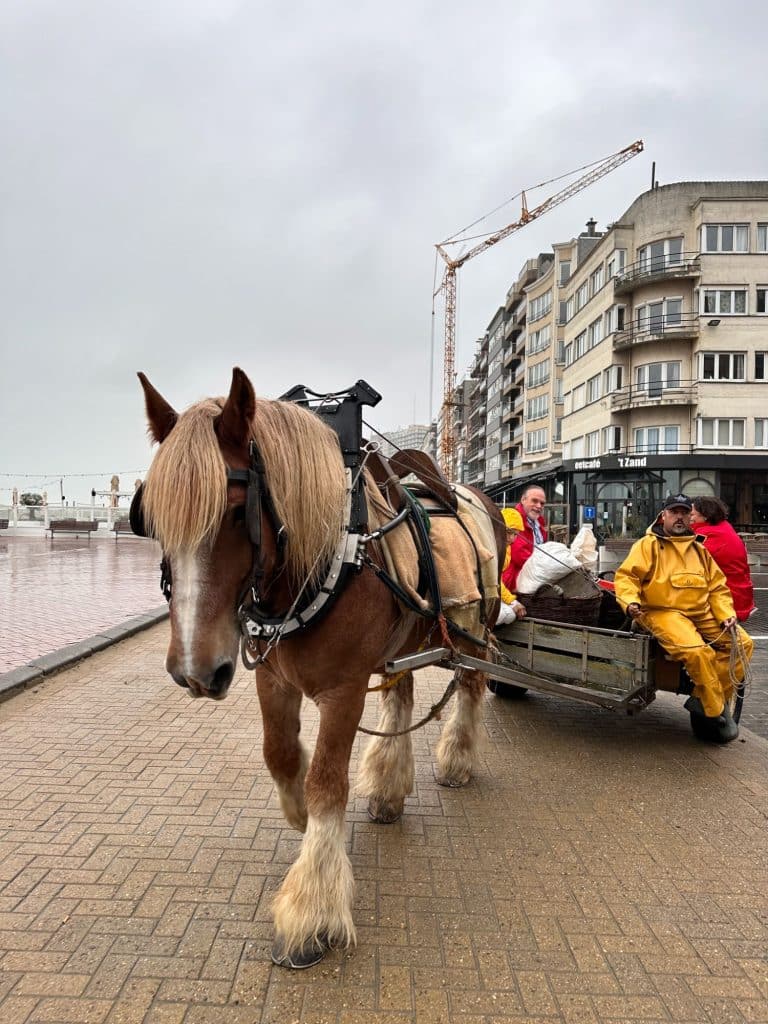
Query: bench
[[123, 526], [79, 527], [3, 524]]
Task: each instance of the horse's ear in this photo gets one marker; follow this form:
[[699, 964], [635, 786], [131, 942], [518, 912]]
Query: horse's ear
[[234, 423], [160, 415]]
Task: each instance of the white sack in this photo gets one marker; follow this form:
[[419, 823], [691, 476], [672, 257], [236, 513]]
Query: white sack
[[548, 563], [584, 547]]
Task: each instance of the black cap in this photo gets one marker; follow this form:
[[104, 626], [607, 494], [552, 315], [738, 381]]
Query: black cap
[[678, 501]]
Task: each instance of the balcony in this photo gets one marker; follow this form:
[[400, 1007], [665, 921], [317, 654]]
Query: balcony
[[509, 385], [520, 343], [665, 327], [654, 394], [510, 357], [661, 268], [519, 402], [520, 372]]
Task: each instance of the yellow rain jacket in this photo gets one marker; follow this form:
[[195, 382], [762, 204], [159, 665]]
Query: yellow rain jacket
[[673, 573], [684, 599], [514, 521]]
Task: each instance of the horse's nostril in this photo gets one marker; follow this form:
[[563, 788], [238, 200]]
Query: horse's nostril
[[222, 677], [179, 680]]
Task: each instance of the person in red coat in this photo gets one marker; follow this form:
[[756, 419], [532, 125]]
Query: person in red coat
[[530, 507], [708, 520]]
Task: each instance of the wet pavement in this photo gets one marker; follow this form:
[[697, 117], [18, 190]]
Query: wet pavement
[[57, 592], [598, 869]]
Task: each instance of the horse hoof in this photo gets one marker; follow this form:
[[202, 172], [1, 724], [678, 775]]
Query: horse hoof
[[311, 953], [451, 783], [383, 813]]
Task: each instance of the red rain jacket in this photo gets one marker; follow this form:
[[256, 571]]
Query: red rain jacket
[[727, 549], [520, 550]]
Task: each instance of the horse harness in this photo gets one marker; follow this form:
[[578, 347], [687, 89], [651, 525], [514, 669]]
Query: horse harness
[[343, 412]]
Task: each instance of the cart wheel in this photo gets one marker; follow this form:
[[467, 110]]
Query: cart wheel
[[506, 690]]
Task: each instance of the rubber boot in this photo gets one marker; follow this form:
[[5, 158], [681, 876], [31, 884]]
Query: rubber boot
[[717, 729]]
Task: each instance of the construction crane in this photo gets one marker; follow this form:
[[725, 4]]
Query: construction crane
[[594, 172]]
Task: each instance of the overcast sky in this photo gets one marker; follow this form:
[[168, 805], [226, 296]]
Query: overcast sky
[[189, 185]]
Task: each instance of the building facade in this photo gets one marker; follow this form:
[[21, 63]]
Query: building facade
[[633, 363]]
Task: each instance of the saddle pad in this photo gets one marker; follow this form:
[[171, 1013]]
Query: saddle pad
[[456, 560]]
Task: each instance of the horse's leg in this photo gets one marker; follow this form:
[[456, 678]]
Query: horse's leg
[[457, 743], [313, 907], [386, 771], [284, 754]]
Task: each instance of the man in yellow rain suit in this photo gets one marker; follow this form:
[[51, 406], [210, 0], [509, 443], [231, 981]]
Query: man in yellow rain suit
[[674, 587]]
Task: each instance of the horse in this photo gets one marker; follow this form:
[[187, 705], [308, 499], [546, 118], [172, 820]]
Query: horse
[[235, 527]]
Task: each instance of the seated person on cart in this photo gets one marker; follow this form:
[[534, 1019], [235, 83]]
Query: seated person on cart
[[533, 532], [671, 583], [511, 608]]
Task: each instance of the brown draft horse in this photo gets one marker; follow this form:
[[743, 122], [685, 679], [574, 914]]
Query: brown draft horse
[[192, 506]]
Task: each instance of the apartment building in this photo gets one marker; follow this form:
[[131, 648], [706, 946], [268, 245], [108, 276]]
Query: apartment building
[[665, 344]]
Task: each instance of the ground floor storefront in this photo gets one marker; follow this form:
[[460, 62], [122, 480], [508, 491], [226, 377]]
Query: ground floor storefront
[[621, 494]]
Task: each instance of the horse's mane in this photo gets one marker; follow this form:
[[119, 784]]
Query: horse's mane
[[185, 492]]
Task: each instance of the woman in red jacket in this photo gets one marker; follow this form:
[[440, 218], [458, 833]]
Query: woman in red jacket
[[708, 519]]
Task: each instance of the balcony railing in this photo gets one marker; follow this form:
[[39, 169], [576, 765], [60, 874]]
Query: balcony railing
[[681, 264], [665, 327], [635, 396]]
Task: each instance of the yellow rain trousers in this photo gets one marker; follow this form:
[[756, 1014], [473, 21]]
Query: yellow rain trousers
[[685, 599]]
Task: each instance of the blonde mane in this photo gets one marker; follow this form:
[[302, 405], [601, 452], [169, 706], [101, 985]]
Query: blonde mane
[[185, 492]]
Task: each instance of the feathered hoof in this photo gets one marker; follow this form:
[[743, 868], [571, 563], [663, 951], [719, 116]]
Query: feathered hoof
[[453, 781], [382, 812], [311, 953]]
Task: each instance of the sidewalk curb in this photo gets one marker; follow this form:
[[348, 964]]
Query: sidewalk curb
[[48, 664]]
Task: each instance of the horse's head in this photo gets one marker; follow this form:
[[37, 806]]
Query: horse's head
[[199, 519], [219, 541]]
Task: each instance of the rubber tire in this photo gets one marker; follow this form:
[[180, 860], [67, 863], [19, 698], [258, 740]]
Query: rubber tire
[[506, 690]]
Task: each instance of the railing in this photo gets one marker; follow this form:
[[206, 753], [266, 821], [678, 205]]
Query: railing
[[656, 328], [681, 264], [681, 392], [45, 514]]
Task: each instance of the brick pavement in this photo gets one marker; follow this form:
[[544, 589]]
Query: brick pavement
[[598, 869]]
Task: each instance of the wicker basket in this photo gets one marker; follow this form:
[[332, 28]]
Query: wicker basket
[[546, 604]]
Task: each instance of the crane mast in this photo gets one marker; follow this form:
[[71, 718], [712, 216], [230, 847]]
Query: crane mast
[[448, 285]]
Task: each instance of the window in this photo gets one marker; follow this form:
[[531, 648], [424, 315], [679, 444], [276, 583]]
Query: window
[[657, 439], [761, 365], [565, 270], [539, 340], [558, 429], [614, 319], [578, 397], [569, 309], [655, 377], [537, 407], [724, 300], [540, 306], [568, 354], [577, 448], [596, 280], [536, 440], [659, 255], [562, 316], [592, 444], [611, 439], [725, 237], [717, 433], [612, 378], [595, 333], [657, 317], [582, 296], [762, 294], [761, 433], [722, 365], [580, 345], [593, 388], [538, 374], [616, 263], [762, 237]]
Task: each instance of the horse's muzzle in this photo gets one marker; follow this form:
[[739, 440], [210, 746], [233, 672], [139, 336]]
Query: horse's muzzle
[[213, 685]]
